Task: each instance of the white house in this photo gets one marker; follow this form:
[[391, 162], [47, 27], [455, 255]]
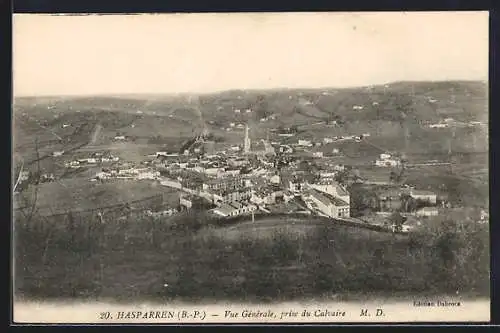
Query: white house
[[213, 171], [385, 156], [328, 204], [103, 175], [227, 173], [166, 212], [25, 175], [339, 167], [427, 211], [185, 202], [58, 153], [386, 160], [439, 125], [428, 196], [327, 174], [296, 185], [110, 159], [228, 196], [149, 174], [332, 188], [388, 163], [275, 179], [318, 154], [233, 209], [305, 143]]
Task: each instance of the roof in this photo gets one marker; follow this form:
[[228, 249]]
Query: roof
[[236, 205], [422, 192], [227, 179], [336, 201], [340, 190], [427, 209], [328, 199], [225, 209], [411, 221], [339, 202], [223, 191]]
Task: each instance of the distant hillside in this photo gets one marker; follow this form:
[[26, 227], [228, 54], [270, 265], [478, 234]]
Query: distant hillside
[[382, 110]]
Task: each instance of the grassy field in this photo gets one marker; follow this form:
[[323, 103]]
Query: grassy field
[[135, 259], [79, 194]]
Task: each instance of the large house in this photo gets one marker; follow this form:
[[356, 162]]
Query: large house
[[427, 212], [225, 183], [427, 196], [266, 195], [386, 160], [327, 204], [231, 195], [332, 188], [233, 209]]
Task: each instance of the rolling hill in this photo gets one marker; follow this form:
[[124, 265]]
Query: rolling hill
[[385, 111]]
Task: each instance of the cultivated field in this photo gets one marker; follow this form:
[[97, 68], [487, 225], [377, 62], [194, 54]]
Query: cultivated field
[[79, 194]]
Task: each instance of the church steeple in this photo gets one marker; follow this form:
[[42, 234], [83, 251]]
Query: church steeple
[[247, 141]]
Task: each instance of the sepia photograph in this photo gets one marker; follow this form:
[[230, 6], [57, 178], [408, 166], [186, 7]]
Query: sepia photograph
[[315, 167]]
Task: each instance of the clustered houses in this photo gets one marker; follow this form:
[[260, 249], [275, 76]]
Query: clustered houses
[[231, 195], [386, 160], [245, 184], [127, 173], [162, 213], [257, 176], [94, 159]]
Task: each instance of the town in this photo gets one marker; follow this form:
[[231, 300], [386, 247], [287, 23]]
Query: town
[[285, 175]]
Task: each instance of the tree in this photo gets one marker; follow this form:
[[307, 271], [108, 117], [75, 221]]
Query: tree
[[342, 177], [261, 107], [409, 204], [362, 199], [397, 220], [393, 176]]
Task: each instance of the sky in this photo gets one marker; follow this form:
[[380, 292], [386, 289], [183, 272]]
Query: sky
[[177, 53]]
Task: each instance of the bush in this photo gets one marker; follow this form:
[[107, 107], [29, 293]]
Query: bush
[[83, 258]]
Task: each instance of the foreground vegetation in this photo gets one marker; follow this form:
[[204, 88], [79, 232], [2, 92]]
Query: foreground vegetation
[[183, 258]]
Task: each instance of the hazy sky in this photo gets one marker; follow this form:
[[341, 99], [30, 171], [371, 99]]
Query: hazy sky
[[57, 55]]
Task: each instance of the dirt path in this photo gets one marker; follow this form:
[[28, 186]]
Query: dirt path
[[95, 134]]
